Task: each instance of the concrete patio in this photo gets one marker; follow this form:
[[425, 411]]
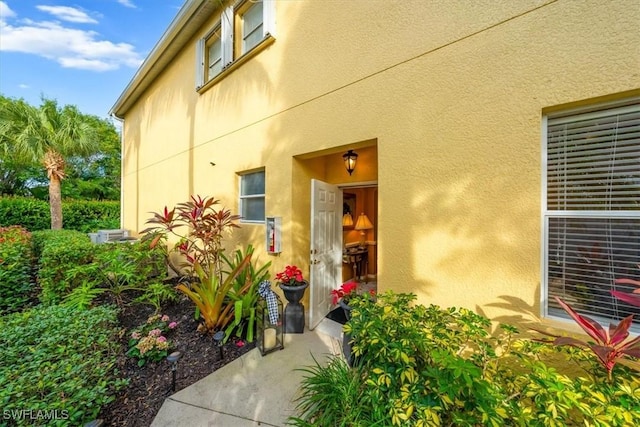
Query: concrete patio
[[252, 390]]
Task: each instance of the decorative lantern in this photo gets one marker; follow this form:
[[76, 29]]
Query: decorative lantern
[[269, 331]]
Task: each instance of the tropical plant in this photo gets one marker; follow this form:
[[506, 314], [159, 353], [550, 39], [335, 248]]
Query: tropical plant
[[432, 366], [156, 294], [611, 346], [46, 135], [632, 298], [210, 295], [201, 242], [244, 293]]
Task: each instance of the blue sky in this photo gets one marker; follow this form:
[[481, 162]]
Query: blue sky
[[79, 52]]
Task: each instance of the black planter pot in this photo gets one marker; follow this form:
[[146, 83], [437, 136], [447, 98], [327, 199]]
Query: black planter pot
[[294, 311], [347, 309], [346, 338]]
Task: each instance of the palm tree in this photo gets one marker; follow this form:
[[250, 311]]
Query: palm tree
[[46, 135]]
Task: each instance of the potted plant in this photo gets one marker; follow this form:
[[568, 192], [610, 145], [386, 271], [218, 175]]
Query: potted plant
[[293, 286], [292, 283], [343, 294]]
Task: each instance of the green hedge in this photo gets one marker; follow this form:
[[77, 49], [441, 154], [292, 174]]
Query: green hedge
[[60, 252], [58, 361], [90, 216], [15, 268], [80, 215]]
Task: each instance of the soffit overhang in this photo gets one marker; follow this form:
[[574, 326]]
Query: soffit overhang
[[190, 18]]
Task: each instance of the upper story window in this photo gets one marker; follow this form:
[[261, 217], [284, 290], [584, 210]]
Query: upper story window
[[592, 209], [213, 54], [252, 197], [238, 35], [252, 24]]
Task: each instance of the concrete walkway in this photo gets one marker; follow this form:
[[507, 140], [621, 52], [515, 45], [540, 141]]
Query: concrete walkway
[[252, 390]]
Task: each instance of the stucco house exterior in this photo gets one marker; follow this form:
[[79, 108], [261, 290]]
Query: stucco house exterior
[[498, 143]]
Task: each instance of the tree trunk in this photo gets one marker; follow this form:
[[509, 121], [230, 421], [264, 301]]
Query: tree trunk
[[55, 202]]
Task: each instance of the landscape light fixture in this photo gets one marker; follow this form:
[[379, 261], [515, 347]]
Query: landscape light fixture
[[218, 337], [173, 359], [350, 158]]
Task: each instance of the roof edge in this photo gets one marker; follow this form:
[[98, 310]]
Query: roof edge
[[137, 84]]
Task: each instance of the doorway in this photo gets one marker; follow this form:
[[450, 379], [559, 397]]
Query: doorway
[[344, 230], [359, 235]]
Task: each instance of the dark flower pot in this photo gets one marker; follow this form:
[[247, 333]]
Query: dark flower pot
[[294, 311], [347, 309], [346, 338]]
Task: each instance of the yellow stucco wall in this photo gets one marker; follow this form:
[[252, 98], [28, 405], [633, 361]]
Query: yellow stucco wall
[[447, 97]]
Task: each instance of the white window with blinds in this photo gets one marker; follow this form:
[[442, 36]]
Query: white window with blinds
[[592, 209]]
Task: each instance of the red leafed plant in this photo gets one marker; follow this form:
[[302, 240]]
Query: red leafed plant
[[200, 228], [632, 298], [611, 346]]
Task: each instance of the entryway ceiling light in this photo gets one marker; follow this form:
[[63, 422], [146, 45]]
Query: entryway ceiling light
[[350, 158]]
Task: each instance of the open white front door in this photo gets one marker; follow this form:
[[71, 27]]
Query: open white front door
[[326, 248]]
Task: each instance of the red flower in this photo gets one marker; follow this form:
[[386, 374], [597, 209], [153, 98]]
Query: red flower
[[291, 276], [346, 291]]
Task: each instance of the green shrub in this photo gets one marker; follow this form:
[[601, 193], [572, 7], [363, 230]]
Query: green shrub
[[32, 214], [79, 215], [90, 216], [125, 271], [62, 253], [58, 359], [72, 268], [16, 282], [427, 366]]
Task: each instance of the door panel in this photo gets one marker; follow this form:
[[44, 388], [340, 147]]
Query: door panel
[[326, 248]]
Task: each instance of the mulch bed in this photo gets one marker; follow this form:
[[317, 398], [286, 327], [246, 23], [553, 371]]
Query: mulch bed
[[138, 403]]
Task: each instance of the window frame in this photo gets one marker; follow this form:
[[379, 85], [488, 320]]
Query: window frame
[[242, 197], [240, 14], [215, 33], [234, 55], [577, 214]]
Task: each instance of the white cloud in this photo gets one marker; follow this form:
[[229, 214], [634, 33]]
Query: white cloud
[[70, 14], [5, 11], [127, 3], [24, 86], [70, 47]]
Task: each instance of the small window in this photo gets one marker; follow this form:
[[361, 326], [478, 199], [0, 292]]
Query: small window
[[252, 195], [252, 26]]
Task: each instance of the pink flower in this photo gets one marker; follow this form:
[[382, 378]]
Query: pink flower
[[239, 343], [155, 332], [165, 318], [162, 339], [172, 325], [135, 335]]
